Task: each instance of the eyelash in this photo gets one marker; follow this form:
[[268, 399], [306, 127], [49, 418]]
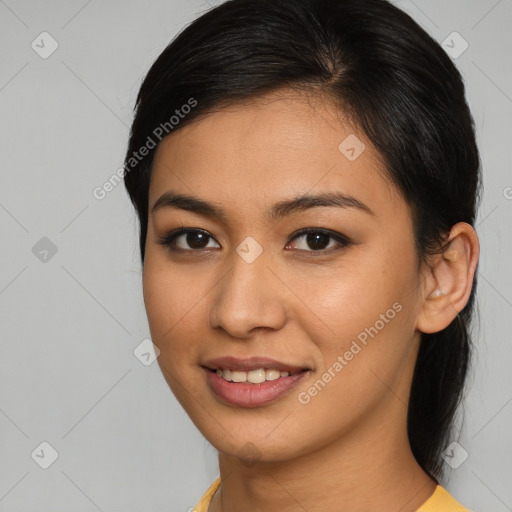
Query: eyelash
[[168, 240]]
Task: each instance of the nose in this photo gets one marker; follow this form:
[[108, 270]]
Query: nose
[[249, 298]]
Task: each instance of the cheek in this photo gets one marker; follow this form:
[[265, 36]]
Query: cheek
[[172, 304], [363, 320], [342, 301], [363, 367]]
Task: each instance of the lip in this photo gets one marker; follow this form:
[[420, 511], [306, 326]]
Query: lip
[[249, 395]]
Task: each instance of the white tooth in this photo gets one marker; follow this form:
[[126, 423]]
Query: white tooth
[[219, 372], [284, 374], [227, 374], [272, 374], [256, 376], [238, 376]]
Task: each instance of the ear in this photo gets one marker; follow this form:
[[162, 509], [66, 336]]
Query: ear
[[448, 285]]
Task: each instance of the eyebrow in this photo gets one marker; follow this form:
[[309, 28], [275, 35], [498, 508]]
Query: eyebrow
[[279, 210]]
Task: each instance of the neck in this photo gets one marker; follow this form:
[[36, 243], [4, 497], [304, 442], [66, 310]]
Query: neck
[[368, 468]]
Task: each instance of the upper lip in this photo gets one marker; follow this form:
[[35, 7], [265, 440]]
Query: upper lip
[[251, 363]]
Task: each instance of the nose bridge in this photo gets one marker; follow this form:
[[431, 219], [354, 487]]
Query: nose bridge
[[247, 297]]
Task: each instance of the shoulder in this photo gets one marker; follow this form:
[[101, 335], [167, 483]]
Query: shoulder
[[442, 501], [205, 500]]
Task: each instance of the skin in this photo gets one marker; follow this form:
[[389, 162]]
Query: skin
[[347, 449]]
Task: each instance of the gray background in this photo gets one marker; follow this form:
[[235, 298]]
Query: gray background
[[70, 321]]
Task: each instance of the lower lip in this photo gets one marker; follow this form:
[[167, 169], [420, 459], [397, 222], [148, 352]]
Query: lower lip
[[243, 394]]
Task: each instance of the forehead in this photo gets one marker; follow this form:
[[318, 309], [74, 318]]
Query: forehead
[[258, 152]]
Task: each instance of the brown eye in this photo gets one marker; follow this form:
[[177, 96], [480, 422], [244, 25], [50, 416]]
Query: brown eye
[[187, 240], [319, 240], [196, 240]]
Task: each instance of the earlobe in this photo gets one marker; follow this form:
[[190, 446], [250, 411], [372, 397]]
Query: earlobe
[[448, 287]]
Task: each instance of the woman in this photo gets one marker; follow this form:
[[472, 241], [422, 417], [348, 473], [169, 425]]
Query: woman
[[306, 178]]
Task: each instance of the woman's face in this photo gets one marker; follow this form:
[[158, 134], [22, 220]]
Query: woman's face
[[244, 289]]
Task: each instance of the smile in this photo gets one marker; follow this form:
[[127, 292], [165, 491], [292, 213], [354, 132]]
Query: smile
[[251, 382]]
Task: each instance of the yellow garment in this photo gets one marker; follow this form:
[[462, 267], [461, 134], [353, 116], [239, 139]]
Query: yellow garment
[[440, 501]]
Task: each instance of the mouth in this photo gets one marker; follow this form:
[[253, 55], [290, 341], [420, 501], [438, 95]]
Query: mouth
[[251, 382]]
